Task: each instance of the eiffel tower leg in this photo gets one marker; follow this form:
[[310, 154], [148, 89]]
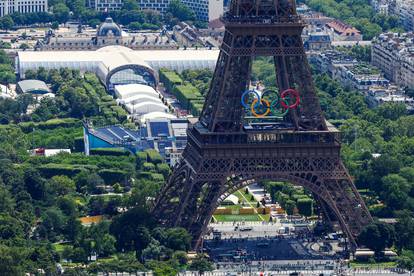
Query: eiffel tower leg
[[179, 186], [324, 210], [209, 200], [344, 200]]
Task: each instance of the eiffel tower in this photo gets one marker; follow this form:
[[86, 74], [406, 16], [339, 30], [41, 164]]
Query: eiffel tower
[[246, 135]]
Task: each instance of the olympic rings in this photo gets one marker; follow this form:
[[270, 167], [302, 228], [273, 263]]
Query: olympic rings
[[276, 112], [263, 114], [273, 105], [247, 92], [292, 92]]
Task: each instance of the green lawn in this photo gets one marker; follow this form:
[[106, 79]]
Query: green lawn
[[230, 218], [356, 264], [233, 207], [240, 195], [59, 247]]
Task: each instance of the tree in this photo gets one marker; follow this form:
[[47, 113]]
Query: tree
[[406, 260], [130, 231], [35, 184], [6, 22], [107, 246], [62, 185], [153, 251], [24, 46], [178, 239], [404, 230], [6, 200], [181, 11], [94, 22], [392, 111], [200, 264], [61, 12], [377, 236], [11, 260], [52, 224], [395, 191], [55, 25], [130, 5], [67, 205], [180, 257], [135, 26], [73, 229], [290, 206]]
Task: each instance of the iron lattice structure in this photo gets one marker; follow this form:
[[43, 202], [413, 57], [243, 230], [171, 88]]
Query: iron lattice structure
[[223, 155]]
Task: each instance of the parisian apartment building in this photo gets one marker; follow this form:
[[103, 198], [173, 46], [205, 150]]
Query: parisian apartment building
[[105, 5], [393, 53], [22, 6], [205, 10]]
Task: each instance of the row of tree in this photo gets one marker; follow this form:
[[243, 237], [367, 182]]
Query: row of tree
[[358, 13]]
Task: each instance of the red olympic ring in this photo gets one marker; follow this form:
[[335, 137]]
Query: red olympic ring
[[292, 92]]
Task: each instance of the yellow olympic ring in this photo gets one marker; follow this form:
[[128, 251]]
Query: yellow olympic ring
[[254, 111]]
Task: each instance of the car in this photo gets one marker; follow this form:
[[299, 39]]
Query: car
[[246, 228]]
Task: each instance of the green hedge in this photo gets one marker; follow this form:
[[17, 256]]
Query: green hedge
[[186, 93], [107, 98], [111, 176], [142, 157], [102, 104], [163, 169], [305, 206], [145, 175], [157, 177], [121, 114], [169, 79], [50, 170], [79, 144], [148, 167], [154, 156], [196, 106], [50, 124], [110, 151]]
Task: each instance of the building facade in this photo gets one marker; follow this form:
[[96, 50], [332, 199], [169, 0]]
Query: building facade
[[108, 33], [205, 10], [105, 5], [394, 54], [405, 11], [383, 6], [22, 6]]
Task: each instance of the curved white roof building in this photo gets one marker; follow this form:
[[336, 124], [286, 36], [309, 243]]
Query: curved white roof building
[[117, 65], [140, 99], [127, 91], [146, 107]]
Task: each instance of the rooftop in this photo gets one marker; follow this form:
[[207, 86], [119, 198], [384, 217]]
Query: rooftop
[[364, 69], [342, 28], [33, 86], [113, 56]]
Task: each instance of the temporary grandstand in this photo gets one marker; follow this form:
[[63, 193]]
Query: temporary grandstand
[[164, 135]]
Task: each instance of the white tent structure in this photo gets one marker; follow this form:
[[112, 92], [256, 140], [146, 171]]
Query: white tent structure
[[146, 107], [130, 90], [139, 99], [156, 115]]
